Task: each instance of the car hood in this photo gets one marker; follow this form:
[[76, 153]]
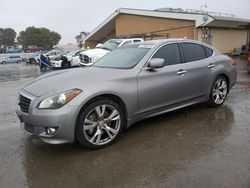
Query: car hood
[[95, 52], [80, 78]]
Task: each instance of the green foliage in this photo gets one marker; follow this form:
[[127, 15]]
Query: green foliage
[[7, 37], [41, 37], [79, 38]]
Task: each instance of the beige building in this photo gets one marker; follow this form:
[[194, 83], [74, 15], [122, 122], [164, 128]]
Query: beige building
[[224, 32]]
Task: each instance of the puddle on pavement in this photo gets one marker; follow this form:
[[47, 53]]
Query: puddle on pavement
[[15, 72]]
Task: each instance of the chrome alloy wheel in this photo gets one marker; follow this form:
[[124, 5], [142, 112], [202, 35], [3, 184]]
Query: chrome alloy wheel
[[102, 124], [220, 91]]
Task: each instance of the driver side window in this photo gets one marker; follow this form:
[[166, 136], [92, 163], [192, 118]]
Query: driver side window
[[170, 53]]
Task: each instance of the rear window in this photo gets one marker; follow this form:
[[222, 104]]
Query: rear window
[[209, 52], [193, 52], [137, 40]]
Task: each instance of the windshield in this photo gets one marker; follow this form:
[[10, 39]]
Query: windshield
[[71, 53], [122, 58], [111, 44]]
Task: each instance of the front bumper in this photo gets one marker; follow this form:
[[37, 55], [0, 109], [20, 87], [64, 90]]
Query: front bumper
[[56, 64], [36, 121], [85, 64]]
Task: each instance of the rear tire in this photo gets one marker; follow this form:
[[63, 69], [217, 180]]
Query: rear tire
[[248, 68], [219, 91], [3, 62], [18, 61], [99, 124]]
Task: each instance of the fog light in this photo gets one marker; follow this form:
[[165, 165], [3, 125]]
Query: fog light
[[51, 131]]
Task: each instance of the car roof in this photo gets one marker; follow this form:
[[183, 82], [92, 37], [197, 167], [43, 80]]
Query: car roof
[[14, 56], [126, 39], [158, 42]]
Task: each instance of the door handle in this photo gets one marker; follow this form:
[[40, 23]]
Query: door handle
[[211, 65], [181, 72]]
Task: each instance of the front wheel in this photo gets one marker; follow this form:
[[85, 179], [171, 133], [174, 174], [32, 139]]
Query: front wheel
[[219, 91], [3, 62], [65, 64], [100, 124]]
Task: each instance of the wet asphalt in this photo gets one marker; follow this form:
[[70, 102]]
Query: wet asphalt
[[200, 147]]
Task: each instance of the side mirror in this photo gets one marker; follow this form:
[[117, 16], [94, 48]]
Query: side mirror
[[98, 45], [156, 63]]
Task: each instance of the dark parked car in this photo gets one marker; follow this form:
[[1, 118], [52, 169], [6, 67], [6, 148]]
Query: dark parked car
[[14, 50], [248, 64], [30, 49], [2, 50], [94, 105]]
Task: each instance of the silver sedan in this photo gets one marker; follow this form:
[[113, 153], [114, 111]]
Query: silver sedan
[[93, 105]]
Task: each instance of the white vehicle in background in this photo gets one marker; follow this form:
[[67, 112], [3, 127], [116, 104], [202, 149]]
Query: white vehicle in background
[[89, 57], [70, 59], [53, 54], [35, 58]]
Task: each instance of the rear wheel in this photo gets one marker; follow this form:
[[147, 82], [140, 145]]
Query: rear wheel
[[219, 91], [248, 68], [32, 61], [100, 124], [3, 62], [18, 61]]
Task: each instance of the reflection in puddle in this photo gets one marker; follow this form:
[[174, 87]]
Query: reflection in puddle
[[149, 150], [14, 72]]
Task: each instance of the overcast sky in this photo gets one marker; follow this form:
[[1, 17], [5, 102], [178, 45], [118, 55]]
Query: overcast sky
[[70, 17]]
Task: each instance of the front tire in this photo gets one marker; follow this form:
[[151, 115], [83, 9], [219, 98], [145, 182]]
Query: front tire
[[219, 91], [100, 124], [65, 65], [3, 62]]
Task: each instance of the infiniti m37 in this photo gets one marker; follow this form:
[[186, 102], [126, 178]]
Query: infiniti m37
[[94, 105]]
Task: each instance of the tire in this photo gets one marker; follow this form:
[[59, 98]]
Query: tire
[[219, 91], [248, 68], [3, 62], [18, 61], [65, 65], [32, 61], [98, 131]]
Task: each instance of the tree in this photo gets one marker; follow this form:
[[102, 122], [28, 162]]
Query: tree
[[80, 37], [7, 37], [41, 37]]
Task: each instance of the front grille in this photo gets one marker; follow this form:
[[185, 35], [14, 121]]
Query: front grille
[[81, 57], [86, 59], [24, 103]]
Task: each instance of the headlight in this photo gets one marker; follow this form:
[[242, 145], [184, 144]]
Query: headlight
[[69, 58], [57, 101]]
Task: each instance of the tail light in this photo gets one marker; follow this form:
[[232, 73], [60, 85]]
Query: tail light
[[248, 59], [234, 62]]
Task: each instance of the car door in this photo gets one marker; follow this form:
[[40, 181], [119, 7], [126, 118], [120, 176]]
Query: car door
[[164, 86], [10, 59], [198, 68]]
